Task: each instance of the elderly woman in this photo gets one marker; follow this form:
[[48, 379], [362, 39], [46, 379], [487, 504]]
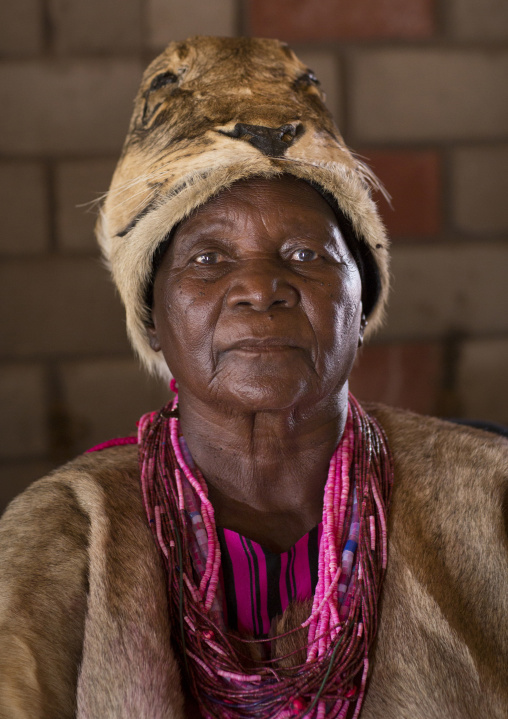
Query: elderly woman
[[232, 563]]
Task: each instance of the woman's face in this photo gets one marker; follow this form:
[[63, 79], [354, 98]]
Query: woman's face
[[257, 302]]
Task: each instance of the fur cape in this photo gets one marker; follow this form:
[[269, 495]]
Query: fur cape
[[83, 606]]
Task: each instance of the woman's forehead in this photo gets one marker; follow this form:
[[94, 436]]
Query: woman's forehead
[[284, 197]]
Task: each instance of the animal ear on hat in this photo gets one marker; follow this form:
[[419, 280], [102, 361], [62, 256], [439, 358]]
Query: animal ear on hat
[[163, 85]]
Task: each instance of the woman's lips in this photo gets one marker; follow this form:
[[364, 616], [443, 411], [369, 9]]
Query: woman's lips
[[265, 344]]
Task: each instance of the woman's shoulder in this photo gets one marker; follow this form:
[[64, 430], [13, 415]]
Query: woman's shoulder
[[454, 476], [432, 444], [65, 503], [446, 587], [61, 507], [80, 483], [70, 546]]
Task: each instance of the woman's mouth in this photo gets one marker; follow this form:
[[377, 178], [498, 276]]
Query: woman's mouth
[[263, 344]]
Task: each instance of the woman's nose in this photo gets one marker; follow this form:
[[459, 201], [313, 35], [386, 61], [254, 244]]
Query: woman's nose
[[261, 286]]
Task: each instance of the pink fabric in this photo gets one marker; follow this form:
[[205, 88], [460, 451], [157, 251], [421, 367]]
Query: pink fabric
[[263, 583], [253, 577], [284, 599]]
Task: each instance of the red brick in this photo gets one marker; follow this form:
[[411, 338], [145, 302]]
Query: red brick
[[296, 20], [413, 179], [406, 375]]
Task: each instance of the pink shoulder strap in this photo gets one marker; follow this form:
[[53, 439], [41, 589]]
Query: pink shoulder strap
[[117, 442]]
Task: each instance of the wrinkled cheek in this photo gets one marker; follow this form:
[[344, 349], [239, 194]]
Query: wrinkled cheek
[[340, 353], [187, 347], [352, 313]]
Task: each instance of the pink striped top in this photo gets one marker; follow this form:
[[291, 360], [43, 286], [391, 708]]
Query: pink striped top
[[258, 584]]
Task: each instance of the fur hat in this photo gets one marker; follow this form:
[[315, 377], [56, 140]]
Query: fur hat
[[209, 112]]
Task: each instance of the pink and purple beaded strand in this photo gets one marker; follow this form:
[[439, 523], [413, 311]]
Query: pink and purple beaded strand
[[326, 683]]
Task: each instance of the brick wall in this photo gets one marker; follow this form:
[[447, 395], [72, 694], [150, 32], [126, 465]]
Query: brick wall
[[417, 86]]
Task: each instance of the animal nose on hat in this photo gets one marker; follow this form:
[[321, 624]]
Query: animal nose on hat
[[272, 141]]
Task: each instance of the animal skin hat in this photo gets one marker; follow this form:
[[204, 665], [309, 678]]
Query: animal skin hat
[[209, 112]]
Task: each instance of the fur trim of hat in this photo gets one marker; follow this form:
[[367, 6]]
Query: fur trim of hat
[[209, 112]]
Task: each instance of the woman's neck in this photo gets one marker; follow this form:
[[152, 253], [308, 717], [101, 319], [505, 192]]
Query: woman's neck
[[265, 471]]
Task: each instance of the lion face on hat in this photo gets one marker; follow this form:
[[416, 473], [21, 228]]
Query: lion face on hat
[[200, 99], [201, 86], [209, 112]]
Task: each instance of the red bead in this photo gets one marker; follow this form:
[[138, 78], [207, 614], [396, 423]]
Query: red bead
[[208, 634], [297, 705], [350, 692]]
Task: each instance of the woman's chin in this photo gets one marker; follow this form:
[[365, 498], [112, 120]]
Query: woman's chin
[[276, 394]]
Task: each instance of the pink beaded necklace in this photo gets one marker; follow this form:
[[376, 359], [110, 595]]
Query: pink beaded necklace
[[331, 682]]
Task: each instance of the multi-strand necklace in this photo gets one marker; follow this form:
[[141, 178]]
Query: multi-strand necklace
[[343, 620]]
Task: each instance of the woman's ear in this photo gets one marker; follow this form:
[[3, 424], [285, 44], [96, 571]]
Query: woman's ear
[[153, 338], [363, 325]]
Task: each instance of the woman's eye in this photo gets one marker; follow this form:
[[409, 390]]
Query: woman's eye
[[208, 258], [304, 255]]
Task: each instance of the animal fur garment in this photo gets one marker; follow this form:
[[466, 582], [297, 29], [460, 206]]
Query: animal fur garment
[[211, 111], [84, 628]]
